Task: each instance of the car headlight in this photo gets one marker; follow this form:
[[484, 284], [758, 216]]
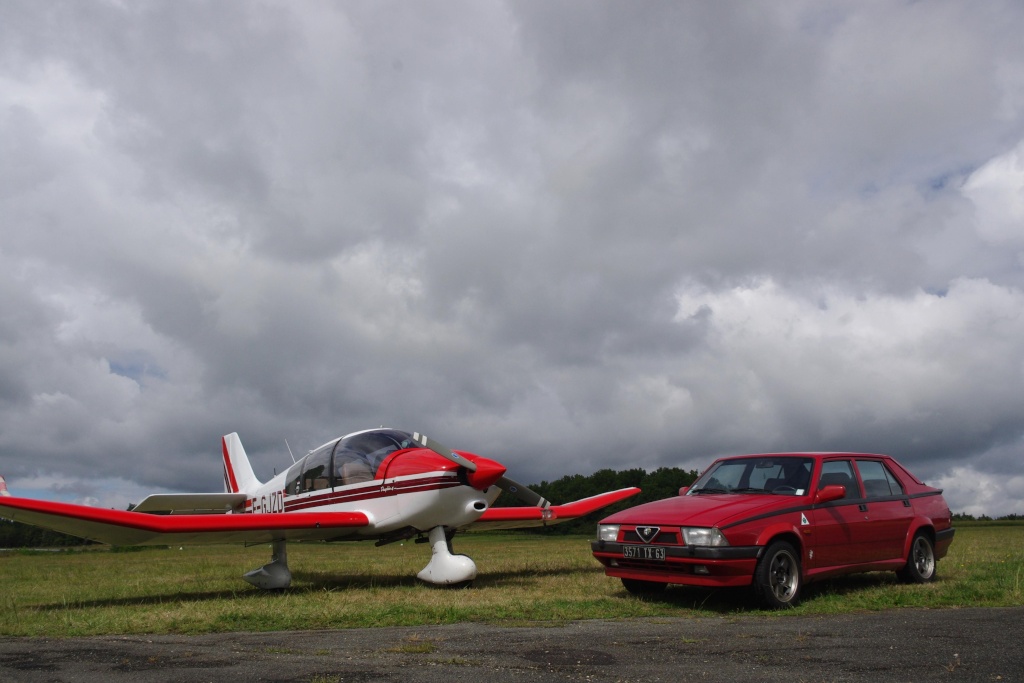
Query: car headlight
[[703, 536], [608, 532]]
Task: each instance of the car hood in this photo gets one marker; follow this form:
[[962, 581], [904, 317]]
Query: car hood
[[704, 510]]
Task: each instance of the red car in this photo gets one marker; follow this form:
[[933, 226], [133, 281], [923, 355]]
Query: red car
[[777, 521]]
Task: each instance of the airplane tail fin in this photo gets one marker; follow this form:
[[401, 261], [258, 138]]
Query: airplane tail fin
[[238, 474], [3, 487]]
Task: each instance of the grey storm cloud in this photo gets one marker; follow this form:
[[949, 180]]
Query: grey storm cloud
[[567, 235]]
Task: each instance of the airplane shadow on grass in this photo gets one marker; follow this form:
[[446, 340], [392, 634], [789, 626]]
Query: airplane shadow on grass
[[163, 599], [485, 580], [303, 582], [714, 600]]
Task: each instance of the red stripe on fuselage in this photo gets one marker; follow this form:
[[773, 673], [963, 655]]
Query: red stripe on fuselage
[[381, 490], [232, 482]]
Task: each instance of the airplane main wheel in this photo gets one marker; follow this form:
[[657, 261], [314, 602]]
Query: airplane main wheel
[[777, 576]]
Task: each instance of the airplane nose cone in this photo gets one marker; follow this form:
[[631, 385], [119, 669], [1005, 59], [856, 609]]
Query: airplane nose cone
[[487, 473]]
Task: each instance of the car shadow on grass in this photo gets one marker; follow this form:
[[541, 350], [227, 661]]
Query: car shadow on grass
[[710, 600], [744, 600]]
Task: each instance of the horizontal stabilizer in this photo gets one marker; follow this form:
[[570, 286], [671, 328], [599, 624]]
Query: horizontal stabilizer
[[119, 527], [192, 503], [521, 517]]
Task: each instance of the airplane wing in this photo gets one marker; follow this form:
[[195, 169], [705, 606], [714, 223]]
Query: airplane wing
[[521, 517], [119, 527]]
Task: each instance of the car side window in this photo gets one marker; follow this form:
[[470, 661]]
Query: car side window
[[877, 479], [894, 484], [839, 472]]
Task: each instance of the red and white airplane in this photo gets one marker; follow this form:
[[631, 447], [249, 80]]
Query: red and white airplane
[[381, 484]]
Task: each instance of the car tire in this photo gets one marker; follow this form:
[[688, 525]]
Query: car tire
[[778, 578], [920, 566], [638, 587]]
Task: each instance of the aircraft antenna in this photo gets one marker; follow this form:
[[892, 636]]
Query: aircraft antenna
[[289, 450]]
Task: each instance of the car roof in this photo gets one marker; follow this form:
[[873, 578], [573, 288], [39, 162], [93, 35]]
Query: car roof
[[807, 454]]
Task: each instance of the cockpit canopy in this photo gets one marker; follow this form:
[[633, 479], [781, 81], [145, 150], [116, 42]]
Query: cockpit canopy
[[349, 460]]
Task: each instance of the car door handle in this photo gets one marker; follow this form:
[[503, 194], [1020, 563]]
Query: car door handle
[[862, 507]]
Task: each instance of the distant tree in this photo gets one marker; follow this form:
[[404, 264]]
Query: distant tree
[[16, 535], [664, 482]]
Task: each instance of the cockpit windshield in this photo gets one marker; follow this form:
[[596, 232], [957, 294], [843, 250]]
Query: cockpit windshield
[[376, 444], [353, 459], [780, 475], [357, 457]]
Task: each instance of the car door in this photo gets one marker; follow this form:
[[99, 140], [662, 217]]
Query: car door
[[839, 530], [888, 512]]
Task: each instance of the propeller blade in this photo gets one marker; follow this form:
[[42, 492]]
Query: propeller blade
[[444, 451], [523, 493]]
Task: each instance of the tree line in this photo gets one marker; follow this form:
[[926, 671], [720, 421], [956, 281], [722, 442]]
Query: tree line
[[663, 482], [965, 517], [16, 535]]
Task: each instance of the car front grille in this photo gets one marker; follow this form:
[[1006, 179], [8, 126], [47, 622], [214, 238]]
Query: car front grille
[[663, 538]]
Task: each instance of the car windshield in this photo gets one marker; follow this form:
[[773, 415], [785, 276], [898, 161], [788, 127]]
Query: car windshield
[[778, 475]]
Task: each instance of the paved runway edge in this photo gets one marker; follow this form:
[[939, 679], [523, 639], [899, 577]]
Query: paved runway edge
[[898, 645]]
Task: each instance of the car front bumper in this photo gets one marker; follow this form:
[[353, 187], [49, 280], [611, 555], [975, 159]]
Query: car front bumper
[[687, 565]]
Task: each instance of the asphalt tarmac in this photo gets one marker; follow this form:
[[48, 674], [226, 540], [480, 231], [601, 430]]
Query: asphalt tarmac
[[896, 645]]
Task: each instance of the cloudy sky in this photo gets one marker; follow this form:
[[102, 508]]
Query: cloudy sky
[[566, 235]]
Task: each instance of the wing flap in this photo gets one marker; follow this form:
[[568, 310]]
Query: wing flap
[[119, 527], [522, 517], [192, 503]]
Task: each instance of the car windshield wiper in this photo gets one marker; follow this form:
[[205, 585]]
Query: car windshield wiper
[[707, 490], [749, 489]]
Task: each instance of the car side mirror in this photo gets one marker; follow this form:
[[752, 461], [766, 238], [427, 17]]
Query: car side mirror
[[830, 493], [683, 490]]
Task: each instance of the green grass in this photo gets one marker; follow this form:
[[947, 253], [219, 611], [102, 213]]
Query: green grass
[[523, 580]]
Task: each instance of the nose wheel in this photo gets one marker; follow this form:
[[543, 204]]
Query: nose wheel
[[446, 568]]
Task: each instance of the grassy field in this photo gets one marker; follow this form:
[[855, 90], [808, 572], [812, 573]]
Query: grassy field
[[523, 579]]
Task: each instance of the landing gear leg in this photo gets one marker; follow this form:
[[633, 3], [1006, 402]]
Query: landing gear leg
[[275, 574], [446, 569]]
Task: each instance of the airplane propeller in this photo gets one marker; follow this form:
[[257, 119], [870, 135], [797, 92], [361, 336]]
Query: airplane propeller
[[444, 451], [523, 493]]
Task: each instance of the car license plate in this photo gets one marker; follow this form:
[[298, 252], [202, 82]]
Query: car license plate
[[643, 552]]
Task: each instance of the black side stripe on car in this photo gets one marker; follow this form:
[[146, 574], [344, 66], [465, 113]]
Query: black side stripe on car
[[831, 504], [773, 513]]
